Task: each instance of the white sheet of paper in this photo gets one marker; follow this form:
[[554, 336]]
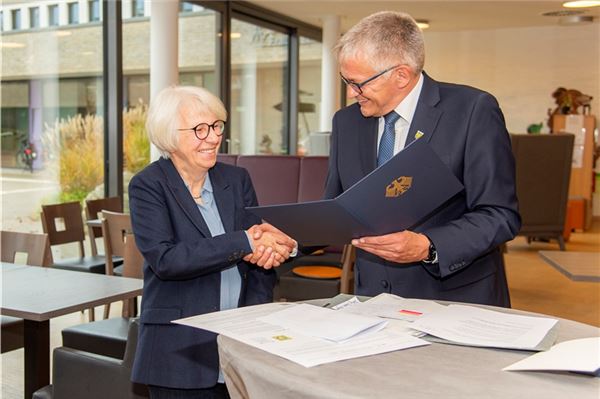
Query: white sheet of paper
[[242, 324], [580, 355], [324, 323], [469, 325]]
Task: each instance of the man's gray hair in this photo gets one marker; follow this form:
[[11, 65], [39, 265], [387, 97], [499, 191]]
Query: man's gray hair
[[165, 112], [385, 39]]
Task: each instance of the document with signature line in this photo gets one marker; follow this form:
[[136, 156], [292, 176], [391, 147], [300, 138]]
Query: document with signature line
[[470, 325]]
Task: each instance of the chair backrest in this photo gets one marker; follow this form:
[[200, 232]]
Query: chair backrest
[[114, 228], [36, 246], [313, 173], [229, 159], [275, 178], [133, 260], [70, 213], [347, 279], [543, 170], [93, 208]]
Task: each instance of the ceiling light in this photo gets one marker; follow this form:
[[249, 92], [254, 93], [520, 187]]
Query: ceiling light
[[576, 20], [12, 45], [581, 3], [235, 35], [422, 24], [62, 33]]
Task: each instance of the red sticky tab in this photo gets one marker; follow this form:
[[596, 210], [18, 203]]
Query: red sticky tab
[[410, 312]]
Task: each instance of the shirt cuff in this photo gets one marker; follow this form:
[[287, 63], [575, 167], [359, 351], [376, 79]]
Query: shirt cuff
[[249, 240], [295, 250]]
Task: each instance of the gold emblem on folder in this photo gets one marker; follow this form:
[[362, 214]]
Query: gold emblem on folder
[[398, 186]]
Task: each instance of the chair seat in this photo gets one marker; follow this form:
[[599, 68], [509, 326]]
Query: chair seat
[[12, 333], [320, 272], [296, 288], [89, 264], [104, 337], [44, 393], [118, 271]]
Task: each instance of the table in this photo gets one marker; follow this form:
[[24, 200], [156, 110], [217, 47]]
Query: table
[[38, 294], [577, 266], [433, 371]]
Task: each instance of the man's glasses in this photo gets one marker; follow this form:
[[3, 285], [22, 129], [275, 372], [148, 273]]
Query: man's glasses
[[202, 130], [357, 87]]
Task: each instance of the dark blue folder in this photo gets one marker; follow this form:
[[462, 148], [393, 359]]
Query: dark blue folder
[[398, 195]]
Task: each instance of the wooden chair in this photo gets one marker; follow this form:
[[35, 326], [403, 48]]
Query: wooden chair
[[93, 208], [70, 213], [133, 263], [37, 248], [114, 227]]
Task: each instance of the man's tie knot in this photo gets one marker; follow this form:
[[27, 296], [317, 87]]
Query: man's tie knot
[[386, 145], [391, 118]]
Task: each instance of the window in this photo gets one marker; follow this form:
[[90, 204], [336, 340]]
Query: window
[[53, 15], [53, 100], [34, 17], [94, 6], [259, 60], [16, 19], [309, 82], [137, 8], [73, 13], [184, 6]]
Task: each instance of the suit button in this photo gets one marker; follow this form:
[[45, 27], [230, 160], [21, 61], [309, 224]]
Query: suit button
[[384, 283]]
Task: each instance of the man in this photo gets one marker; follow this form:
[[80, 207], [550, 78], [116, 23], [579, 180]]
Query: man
[[454, 254]]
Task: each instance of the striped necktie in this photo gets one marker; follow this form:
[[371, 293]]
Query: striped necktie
[[386, 145]]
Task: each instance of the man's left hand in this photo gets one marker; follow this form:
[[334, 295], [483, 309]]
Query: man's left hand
[[402, 247]]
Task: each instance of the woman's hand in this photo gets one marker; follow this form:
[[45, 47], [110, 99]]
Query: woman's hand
[[271, 246]]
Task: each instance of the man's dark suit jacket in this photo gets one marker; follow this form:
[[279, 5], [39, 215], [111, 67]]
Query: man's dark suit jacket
[[182, 270], [466, 128]]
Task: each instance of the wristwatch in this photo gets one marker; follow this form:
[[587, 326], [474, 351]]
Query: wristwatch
[[432, 257]]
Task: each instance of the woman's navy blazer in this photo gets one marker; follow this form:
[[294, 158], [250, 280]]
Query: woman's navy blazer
[[182, 270]]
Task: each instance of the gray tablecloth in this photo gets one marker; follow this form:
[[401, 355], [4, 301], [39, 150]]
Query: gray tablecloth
[[434, 371]]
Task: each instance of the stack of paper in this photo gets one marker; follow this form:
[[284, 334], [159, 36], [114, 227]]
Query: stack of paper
[[469, 325], [245, 325], [324, 323]]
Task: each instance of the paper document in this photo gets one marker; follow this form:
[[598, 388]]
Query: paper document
[[243, 325], [469, 325], [391, 306], [579, 355], [323, 323]]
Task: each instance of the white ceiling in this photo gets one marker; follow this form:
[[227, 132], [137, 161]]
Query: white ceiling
[[443, 15]]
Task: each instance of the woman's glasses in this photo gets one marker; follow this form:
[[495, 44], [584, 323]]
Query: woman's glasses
[[202, 130]]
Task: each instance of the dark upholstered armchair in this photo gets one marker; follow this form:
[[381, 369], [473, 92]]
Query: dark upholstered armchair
[[543, 166], [79, 374]]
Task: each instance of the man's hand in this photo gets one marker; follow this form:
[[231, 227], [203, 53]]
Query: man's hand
[[271, 246], [401, 247]]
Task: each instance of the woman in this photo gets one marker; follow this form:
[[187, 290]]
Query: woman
[[190, 224]]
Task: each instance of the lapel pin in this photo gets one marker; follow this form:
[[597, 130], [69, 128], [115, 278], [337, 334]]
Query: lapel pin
[[419, 134]]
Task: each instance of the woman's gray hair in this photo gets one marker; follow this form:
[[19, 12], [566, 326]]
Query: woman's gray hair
[[385, 39], [165, 111]]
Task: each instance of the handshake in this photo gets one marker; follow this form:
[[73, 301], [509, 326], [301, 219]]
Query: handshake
[[271, 246]]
